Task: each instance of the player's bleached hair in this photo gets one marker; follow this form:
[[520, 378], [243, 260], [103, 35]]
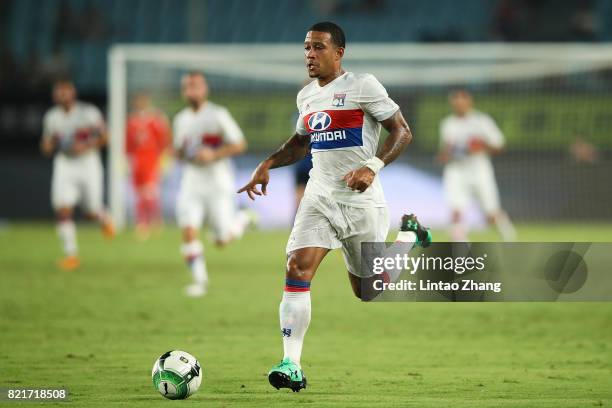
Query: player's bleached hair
[[334, 30]]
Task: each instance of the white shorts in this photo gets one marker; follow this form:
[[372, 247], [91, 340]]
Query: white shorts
[[321, 222], [193, 208], [77, 180], [461, 183]]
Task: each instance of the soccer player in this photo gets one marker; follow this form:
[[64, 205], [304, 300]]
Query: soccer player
[[467, 139], [147, 138], [74, 132], [205, 137], [341, 114]]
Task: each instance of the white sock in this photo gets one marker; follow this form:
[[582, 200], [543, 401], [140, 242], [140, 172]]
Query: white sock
[[294, 312], [194, 255], [241, 222], [458, 232], [67, 233], [505, 227], [405, 241]]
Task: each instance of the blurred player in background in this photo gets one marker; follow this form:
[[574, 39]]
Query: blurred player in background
[[341, 114], [205, 137], [147, 138], [74, 132], [467, 139]]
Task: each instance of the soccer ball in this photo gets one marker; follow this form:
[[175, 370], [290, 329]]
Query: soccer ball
[[176, 374]]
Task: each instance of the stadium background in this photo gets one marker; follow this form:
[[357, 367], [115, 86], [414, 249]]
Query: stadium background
[[545, 120]]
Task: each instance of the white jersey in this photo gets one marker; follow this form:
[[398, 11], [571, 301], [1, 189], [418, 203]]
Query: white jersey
[[467, 173], [343, 121], [76, 178], [210, 126], [83, 122], [459, 132]]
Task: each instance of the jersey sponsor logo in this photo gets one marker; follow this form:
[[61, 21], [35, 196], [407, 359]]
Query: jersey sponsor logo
[[327, 136], [332, 129], [212, 140], [319, 121]]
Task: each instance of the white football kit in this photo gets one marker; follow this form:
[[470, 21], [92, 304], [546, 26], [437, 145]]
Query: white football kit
[[470, 174], [342, 120], [76, 178], [207, 190]]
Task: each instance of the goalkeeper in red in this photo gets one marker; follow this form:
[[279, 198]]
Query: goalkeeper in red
[[341, 114]]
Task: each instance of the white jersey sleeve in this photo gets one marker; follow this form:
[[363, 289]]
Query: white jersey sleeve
[[493, 136], [48, 124], [445, 135], [95, 116], [178, 134], [374, 100], [300, 128], [230, 130]]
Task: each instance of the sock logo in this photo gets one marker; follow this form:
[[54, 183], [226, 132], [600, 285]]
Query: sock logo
[[286, 332]]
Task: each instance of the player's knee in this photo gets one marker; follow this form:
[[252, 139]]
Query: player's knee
[[64, 214], [357, 291], [364, 288], [189, 234], [221, 243], [456, 216], [92, 216], [298, 268]]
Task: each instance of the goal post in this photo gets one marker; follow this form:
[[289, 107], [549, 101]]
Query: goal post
[[513, 82]]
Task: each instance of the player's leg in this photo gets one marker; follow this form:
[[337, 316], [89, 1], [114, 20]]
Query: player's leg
[[141, 213], [64, 196], [488, 196], [411, 233], [154, 203], [227, 223], [190, 214], [66, 230], [311, 239], [372, 225], [457, 194], [147, 208], [91, 181], [294, 313]]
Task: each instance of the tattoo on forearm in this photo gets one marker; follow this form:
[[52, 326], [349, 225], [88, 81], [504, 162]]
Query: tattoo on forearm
[[399, 137], [290, 152]]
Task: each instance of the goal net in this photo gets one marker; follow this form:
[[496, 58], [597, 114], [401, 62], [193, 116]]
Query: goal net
[[552, 102]]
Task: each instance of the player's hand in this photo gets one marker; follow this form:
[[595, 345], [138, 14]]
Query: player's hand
[[206, 155], [261, 176], [48, 145], [476, 145], [359, 179], [443, 157], [80, 147]]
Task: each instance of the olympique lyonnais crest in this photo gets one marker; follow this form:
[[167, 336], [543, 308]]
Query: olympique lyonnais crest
[[338, 100]]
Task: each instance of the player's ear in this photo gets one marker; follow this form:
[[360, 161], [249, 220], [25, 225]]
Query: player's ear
[[339, 52]]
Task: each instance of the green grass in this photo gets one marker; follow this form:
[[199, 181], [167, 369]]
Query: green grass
[[98, 331]]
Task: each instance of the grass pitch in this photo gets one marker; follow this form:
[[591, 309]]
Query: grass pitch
[[98, 331]]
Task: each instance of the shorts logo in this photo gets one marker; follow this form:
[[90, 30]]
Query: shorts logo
[[319, 121], [338, 100], [286, 332]]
